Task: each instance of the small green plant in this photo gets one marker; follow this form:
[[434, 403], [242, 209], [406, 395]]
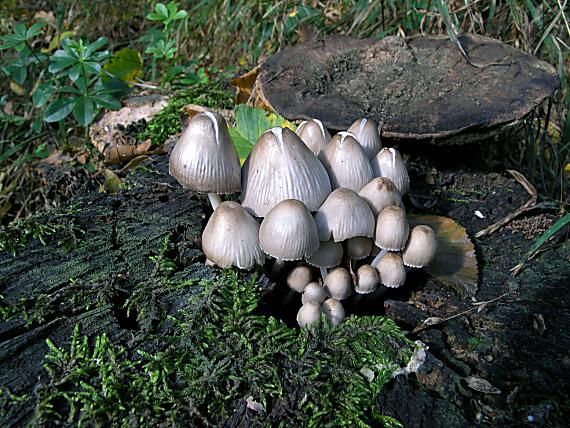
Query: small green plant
[[164, 47]]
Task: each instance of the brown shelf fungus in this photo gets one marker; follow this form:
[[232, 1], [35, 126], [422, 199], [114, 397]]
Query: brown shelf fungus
[[205, 159], [421, 247], [380, 192], [389, 163], [367, 134], [345, 162], [282, 167], [392, 229], [314, 135], [231, 238], [391, 270], [288, 232]]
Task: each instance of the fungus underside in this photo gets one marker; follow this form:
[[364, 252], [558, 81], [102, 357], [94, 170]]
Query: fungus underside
[[220, 352]]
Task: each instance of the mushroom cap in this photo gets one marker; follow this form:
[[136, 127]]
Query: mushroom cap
[[309, 314], [298, 278], [389, 163], [334, 311], [367, 134], [328, 255], [346, 163], [231, 238], [338, 283], [392, 229], [358, 247], [289, 232], [366, 279], [314, 135], [282, 167], [205, 158], [344, 215], [421, 247], [314, 292], [380, 192], [391, 270]]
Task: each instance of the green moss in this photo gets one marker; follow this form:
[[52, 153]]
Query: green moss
[[218, 353], [167, 122]]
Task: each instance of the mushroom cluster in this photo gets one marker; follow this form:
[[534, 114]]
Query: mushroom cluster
[[332, 204]]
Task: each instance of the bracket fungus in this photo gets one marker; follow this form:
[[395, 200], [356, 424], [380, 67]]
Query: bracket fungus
[[282, 167], [346, 163], [231, 238], [205, 159]]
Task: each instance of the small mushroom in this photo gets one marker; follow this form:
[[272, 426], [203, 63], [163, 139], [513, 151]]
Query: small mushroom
[[334, 311], [282, 167], [314, 292], [205, 159], [391, 270], [338, 283], [367, 134], [380, 193], [358, 247], [327, 256], [421, 247], [309, 315], [392, 229], [389, 163], [288, 232], [298, 278], [345, 162], [366, 279], [231, 238], [314, 135]]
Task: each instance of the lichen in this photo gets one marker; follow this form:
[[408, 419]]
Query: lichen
[[219, 355]]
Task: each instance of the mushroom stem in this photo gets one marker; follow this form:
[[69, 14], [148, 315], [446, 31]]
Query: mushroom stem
[[277, 266], [288, 297], [377, 259], [215, 200], [324, 273]]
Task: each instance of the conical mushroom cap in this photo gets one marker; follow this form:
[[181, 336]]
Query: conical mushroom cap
[[421, 247], [392, 229], [389, 163], [281, 167], [231, 238], [313, 292], [289, 232], [366, 279], [314, 135], [309, 314], [344, 215], [205, 158], [334, 311], [298, 278], [328, 255], [338, 283], [345, 161], [391, 270], [367, 135], [380, 192]]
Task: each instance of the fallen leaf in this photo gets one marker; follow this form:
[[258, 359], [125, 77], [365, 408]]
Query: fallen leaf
[[455, 263], [481, 385], [112, 182], [244, 85], [134, 162]]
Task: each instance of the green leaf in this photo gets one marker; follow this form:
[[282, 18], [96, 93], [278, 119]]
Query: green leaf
[[17, 73], [161, 10], [154, 17], [11, 41], [107, 101], [243, 146], [20, 30], [125, 65], [75, 71], [42, 95], [251, 122], [84, 110], [35, 30], [60, 60], [59, 109], [95, 46], [181, 14]]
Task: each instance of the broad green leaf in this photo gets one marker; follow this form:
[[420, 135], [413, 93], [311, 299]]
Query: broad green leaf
[[84, 111], [11, 41], [18, 73], [35, 30], [107, 101], [75, 71], [92, 67], [42, 95], [125, 65], [59, 109], [154, 17], [61, 60], [251, 122], [181, 14], [95, 46], [161, 10], [243, 146], [20, 30]]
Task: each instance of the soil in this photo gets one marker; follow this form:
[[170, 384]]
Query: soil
[[518, 344], [419, 89]]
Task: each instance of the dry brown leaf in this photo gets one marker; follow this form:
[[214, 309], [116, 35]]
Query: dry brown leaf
[[455, 263], [244, 85], [134, 162], [481, 385]]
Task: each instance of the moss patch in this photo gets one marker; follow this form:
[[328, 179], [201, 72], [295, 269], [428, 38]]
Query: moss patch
[[220, 355], [167, 122]]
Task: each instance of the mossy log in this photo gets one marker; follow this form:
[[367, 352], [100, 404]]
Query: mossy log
[[421, 89], [128, 267]]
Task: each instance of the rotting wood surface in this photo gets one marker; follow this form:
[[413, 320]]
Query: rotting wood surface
[[421, 89]]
